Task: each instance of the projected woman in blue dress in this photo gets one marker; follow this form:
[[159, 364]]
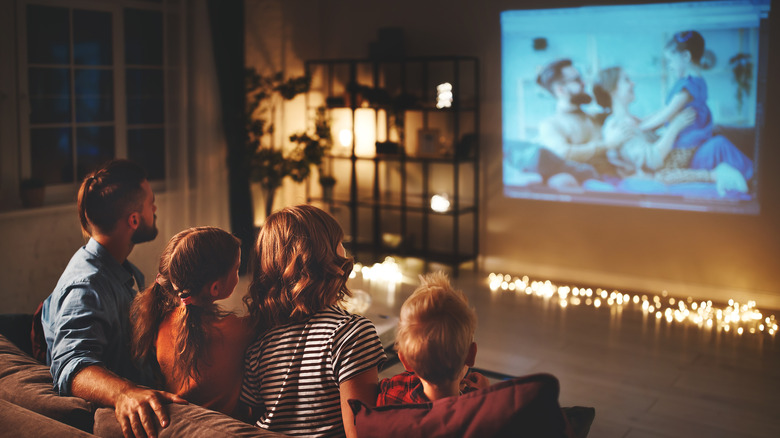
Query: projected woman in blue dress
[[695, 145], [645, 154]]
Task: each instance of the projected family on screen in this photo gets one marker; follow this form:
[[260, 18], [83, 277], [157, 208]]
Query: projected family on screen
[[646, 105]]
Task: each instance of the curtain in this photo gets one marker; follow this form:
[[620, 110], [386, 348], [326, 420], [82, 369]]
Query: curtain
[[196, 191]]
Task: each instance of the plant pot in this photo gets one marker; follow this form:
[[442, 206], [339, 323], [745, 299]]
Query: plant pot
[[327, 192], [32, 197]]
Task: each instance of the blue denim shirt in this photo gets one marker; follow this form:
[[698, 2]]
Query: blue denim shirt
[[86, 319]]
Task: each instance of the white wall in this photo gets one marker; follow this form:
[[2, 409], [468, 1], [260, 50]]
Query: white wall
[[38, 243], [715, 256]]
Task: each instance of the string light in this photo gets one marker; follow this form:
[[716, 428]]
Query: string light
[[743, 318], [387, 271]]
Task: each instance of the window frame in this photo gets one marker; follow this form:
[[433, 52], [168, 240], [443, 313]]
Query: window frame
[[65, 192]]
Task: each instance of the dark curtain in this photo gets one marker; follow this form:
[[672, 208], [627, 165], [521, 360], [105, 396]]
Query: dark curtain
[[227, 33]]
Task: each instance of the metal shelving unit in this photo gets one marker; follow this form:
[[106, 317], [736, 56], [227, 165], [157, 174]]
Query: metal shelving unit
[[383, 199]]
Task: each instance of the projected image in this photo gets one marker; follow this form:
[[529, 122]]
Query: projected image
[[643, 105]]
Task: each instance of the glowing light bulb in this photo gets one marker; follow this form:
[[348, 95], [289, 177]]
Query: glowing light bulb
[[440, 203], [444, 95]]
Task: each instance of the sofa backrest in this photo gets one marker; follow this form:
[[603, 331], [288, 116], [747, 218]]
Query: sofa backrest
[[27, 383]]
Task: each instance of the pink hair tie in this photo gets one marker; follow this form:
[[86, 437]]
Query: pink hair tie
[[187, 300], [159, 279]]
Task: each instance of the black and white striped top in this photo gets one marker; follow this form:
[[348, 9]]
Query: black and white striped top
[[293, 372]]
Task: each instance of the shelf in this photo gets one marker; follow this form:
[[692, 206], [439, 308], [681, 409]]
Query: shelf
[[448, 159], [413, 204], [447, 258], [387, 200], [428, 108]]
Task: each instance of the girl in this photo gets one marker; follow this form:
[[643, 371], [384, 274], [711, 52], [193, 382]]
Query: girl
[[176, 324], [695, 146], [312, 355]]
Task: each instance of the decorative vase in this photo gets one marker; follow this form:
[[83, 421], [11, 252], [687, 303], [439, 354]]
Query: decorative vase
[[327, 193]]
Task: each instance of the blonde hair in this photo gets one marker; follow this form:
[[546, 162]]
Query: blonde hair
[[436, 330]]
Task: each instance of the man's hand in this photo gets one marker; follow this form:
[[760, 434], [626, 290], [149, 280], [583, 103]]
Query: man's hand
[[140, 410]]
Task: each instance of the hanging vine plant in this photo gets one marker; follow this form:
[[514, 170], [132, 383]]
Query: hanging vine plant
[[742, 68]]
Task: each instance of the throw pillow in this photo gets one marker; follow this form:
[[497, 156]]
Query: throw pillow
[[524, 406]]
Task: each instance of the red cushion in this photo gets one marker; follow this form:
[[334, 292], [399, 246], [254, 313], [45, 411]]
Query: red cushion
[[524, 406]]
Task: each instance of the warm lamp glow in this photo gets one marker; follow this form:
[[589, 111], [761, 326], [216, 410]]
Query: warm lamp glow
[[345, 137], [444, 95], [365, 132], [440, 203], [388, 271]]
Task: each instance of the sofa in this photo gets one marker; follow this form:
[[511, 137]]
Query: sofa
[[29, 407], [528, 406]]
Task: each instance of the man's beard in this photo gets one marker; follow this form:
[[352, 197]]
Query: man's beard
[[144, 232], [580, 99]]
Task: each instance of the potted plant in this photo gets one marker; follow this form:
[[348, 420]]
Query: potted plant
[[32, 192], [271, 163], [327, 182]]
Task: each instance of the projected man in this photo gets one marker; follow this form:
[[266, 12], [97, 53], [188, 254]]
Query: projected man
[[572, 133]]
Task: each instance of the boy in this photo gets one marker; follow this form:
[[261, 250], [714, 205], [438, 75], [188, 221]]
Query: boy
[[435, 344]]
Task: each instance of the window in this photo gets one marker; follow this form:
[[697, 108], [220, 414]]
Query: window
[[94, 76]]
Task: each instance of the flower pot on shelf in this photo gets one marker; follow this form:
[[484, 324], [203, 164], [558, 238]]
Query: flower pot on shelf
[[327, 183]]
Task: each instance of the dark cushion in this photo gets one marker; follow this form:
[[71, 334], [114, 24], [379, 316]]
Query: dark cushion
[[16, 328], [28, 383], [19, 423], [523, 406], [580, 419], [186, 420]]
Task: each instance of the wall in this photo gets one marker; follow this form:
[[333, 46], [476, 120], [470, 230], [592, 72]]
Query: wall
[[715, 256], [38, 243]]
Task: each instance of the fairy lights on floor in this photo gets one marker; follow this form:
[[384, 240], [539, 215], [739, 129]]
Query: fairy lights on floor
[[740, 317], [388, 271]]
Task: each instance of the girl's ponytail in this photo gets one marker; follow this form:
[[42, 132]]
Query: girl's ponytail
[[146, 313]]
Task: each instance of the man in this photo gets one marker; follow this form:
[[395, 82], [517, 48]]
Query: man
[[86, 319], [570, 132]]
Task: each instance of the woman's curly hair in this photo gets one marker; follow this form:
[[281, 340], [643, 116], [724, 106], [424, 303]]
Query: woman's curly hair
[[296, 269]]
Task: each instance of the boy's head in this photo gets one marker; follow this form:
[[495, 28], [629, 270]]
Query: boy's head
[[436, 331]]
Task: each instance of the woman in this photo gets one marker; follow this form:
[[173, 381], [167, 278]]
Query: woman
[[312, 356]]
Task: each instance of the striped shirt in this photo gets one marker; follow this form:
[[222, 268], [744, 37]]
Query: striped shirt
[[293, 372]]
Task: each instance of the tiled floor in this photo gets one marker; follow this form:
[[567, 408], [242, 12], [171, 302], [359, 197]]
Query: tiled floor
[[645, 377]]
